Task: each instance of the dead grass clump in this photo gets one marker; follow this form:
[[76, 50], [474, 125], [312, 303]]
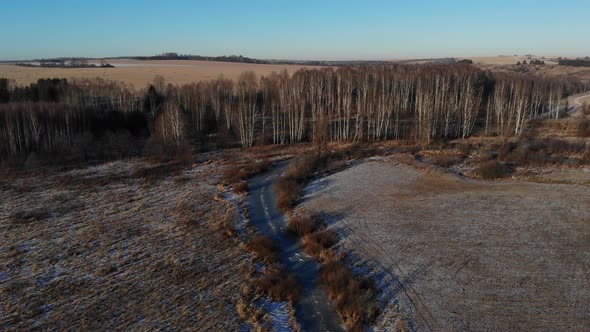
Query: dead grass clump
[[233, 174], [411, 149], [243, 172], [301, 224], [221, 220], [158, 151], [289, 187], [263, 248], [304, 168], [248, 312], [583, 128], [25, 217], [157, 172], [314, 244], [278, 284], [353, 298], [68, 180], [288, 191], [446, 161], [180, 180], [557, 146], [491, 169], [535, 151], [240, 187], [464, 148]]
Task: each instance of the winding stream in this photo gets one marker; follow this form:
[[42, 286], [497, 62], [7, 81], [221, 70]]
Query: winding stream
[[314, 312]]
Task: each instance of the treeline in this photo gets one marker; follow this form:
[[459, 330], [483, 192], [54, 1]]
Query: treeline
[[575, 63], [369, 103], [176, 56], [64, 65], [59, 121], [360, 103]]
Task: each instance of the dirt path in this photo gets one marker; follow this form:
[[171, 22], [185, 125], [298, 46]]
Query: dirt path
[[314, 312], [577, 102]]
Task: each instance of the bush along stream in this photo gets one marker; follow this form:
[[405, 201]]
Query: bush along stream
[[296, 277], [353, 297]]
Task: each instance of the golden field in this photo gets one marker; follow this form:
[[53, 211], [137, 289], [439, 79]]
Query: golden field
[[140, 73]]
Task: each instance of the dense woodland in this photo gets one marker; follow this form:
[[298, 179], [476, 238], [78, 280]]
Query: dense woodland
[[97, 119], [575, 63]]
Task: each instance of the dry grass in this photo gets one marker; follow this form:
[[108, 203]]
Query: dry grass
[[278, 284], [289, 187], [240, 187], [140, 73], [243, 170], [301, 224], [353, 297], [117, 255], [317, 243], [491, 170], [470, 254], [263, 248]]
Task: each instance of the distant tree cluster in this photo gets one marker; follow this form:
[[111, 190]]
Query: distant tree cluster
[[66, 64], [349, 104], [44, 90], [176, 56], [585, 62], [532, 62]]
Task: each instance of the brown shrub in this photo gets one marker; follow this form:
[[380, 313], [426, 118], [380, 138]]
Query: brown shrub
[[583, 128], [158, 171], [534, 151], [67, 180], [354, 299], [242, 172], [158, 151], [25, 217], [557, 146], [233, 174], [301, 224], [240, 187], [314, 244], [445, 160], [464, 148], [491, 169], [264, 248], [180, 180], [289, 192], [278, 284]]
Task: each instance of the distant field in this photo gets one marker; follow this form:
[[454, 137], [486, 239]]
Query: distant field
[[508, 60], [139, 73]]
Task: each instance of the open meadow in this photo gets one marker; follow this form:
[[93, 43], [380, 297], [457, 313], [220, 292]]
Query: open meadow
[[124, 245], [141, 72], [457, 254]]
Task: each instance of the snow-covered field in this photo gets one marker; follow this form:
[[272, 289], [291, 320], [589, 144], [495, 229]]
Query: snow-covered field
[[456, 254], [120, 246]]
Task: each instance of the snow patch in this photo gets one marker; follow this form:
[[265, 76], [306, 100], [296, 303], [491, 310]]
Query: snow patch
[[278, 313]]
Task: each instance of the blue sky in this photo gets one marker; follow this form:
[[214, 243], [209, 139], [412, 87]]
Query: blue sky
[[302, 29]]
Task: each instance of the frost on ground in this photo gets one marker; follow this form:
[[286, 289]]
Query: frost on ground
[[279, 314], [121, 246], [464, 255]]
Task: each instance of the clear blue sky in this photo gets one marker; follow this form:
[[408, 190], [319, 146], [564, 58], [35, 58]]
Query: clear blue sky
[[302, 29]]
